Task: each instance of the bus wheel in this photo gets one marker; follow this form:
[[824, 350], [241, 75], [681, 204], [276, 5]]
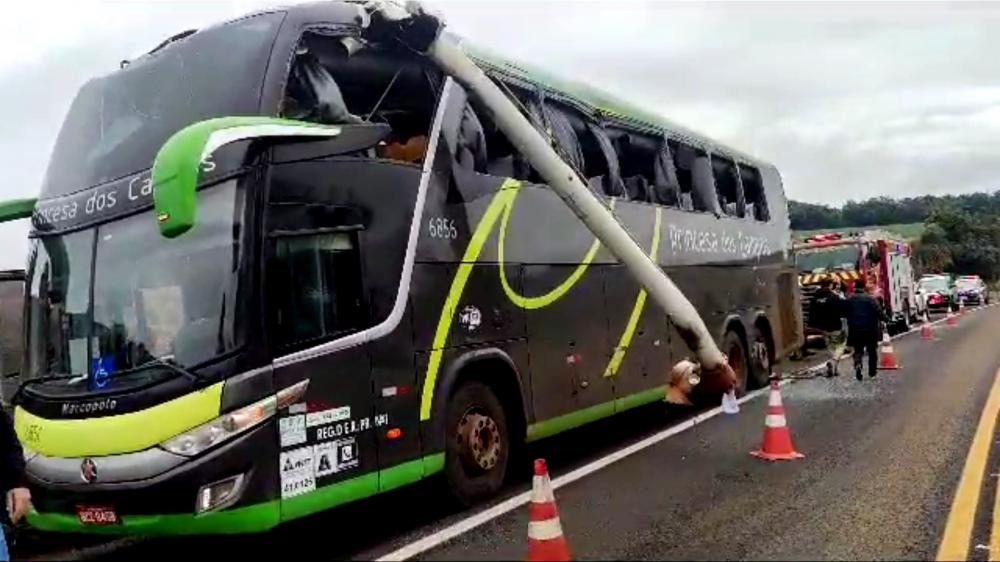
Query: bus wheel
[[760, 358], [478, 443], [732, 346]]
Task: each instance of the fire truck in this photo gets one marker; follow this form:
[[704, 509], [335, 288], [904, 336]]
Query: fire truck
[[879, 259]]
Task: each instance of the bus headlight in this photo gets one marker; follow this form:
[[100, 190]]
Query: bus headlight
[[222, 428]]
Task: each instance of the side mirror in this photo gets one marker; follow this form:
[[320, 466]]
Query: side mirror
[[15, 209], [178, 164]]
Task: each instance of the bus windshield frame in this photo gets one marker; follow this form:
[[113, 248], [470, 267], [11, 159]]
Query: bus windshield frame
[[117, 123], [118, 295]]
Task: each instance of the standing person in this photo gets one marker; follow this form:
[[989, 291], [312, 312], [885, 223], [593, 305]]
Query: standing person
[[864, 316], [12, 479], [826, 315]]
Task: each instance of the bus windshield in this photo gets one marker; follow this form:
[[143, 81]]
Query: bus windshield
[[116, 296], [117, 122]]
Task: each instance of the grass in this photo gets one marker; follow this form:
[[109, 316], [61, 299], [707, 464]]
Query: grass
[[909, 231]]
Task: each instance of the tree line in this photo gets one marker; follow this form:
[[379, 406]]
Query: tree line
[[885, 210]]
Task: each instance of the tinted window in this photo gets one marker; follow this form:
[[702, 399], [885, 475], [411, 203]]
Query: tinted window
[[315, 287], [117, 123], [753, 193]]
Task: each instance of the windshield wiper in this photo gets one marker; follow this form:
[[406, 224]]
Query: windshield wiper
[[166, 361]]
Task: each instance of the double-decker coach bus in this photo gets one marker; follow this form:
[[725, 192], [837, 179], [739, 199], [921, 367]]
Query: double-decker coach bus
[[354, 313]]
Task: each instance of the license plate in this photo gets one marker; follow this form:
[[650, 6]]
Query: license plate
[[97, 515]]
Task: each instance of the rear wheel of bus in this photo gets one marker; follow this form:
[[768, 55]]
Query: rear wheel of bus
[[478, 443], [760, 356], [735, 350]]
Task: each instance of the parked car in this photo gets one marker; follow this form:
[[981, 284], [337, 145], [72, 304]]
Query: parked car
[[972, 290], [937, 292]]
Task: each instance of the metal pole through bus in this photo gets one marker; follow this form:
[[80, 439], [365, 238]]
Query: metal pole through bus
[[421, 31]]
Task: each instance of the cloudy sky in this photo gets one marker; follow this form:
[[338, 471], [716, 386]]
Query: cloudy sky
[[849, 100]]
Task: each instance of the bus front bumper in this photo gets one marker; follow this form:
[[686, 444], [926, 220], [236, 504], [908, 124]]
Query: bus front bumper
[[165, 503]]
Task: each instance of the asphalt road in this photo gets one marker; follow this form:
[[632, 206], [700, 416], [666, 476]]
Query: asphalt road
[[883, 459]]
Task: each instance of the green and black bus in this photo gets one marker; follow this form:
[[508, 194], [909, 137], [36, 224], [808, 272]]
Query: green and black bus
[[386, 293]]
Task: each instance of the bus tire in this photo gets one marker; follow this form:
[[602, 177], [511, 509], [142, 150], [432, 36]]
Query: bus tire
[[760, 354], [735, 350], [477, 443]]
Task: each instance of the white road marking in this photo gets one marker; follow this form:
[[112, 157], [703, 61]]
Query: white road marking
[[465, 525]]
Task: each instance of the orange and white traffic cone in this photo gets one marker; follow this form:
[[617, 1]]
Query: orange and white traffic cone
[[777, 445], [887, 355], [961, 306], [951, 319], [545, 536], [926, 330]]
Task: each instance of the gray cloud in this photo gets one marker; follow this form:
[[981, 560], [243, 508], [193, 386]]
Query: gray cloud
[[848, 100]]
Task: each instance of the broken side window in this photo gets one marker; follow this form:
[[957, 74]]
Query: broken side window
[[600, 163], [470, 147], [727, 186], [637, 155], [332, 83], [666, 187], [753, 192], [694, 174], [502, 158]]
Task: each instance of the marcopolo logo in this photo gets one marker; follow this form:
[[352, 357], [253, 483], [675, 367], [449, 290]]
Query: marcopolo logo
[[106, 405]]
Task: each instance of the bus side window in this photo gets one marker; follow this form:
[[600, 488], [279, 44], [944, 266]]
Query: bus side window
[[502, 159], [315, 287], [470, 151], [584, 146], [694, 173], [328, 83], [727, 186], [666, 187], [643, 169], [753, 192]]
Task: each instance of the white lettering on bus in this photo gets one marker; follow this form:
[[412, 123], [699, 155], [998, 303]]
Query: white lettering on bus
[[690, 240], [140, 187]]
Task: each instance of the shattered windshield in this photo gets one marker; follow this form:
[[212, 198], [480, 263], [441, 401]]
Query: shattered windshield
[[118, 122], [114, 297]]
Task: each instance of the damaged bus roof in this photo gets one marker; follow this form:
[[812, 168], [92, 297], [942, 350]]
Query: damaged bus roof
[[343, 16], [589, 98]]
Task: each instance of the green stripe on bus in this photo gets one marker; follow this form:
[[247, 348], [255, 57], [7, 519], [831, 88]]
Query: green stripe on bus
[[507, 191], [500, 207], [633, 320], [118, 434], [541, 301], [253, 518], [559, 424]]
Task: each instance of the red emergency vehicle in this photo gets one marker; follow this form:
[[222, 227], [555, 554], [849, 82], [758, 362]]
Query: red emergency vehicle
[[879, 259]]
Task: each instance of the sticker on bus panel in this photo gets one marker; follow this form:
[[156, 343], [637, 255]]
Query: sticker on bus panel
[[292, 430], [296, 470], [336, 456], [331, 415], [102, 369]]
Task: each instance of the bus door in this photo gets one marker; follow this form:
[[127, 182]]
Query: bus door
[[320, 232]]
